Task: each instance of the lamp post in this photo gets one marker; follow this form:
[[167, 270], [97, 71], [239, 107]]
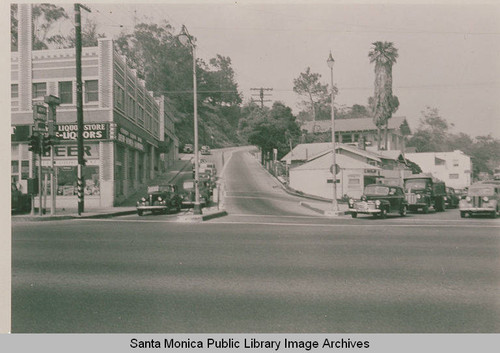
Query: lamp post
[[186, 40], [335, 206]]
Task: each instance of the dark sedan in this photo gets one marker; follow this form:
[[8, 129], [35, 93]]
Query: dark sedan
[[380, 200]]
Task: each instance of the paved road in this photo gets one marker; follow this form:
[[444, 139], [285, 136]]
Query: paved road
[[271, 266]]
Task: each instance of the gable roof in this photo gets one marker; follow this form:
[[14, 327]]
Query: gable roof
[[324, 161], [310, 151], [360, 124]]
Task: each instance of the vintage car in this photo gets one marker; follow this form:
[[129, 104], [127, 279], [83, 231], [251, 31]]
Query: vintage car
[[188, 148], [380, 200], [451, 199], [160, 199], [188, 193], [206, 168], [205, 150], [481, 199], [19, 202], [423, 191]]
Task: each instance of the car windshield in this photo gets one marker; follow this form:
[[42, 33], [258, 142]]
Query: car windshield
[[416, 184], [481, 190], [376, 190]]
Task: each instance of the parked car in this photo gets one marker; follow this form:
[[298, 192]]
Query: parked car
[[205, 150], [380, 200], [19, 202], [188, 193], [481, 199], [451, 199], [160, 199], [424, 191], [188, 148]]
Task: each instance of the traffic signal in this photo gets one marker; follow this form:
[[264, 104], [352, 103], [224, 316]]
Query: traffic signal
[[34, 144], [47, 143]]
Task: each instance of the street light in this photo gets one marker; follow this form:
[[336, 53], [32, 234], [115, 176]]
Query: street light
[[186, 40], [335, 206]]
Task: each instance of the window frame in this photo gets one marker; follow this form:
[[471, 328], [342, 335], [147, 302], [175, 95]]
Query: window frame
[[61, 93]]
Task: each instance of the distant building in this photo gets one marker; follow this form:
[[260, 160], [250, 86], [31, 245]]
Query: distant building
[[310, 168], [350, 130], [454, 168], [128, 136]]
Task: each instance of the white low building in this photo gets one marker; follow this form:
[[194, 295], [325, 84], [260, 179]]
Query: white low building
[[454, 168], [315, 177]]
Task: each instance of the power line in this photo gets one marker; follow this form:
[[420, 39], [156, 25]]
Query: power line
[[261, 95]]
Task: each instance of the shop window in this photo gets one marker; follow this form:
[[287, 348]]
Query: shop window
[[66, 92], [67, 180], [39, 89], [14, 91], [25, 170], [14, 167], [91, 91]]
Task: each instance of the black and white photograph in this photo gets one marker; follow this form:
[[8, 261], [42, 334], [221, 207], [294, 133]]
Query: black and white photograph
[[236, 167]]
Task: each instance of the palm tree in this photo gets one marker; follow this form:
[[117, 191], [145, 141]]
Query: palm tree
[[383, 104]]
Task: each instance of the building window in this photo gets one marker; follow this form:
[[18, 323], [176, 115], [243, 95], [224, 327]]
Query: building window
[[91, 91], [453, 176], [14, 91], [66, 92], [455, 162], [119, 97], [39, 89], [439, 161], [14, 167]]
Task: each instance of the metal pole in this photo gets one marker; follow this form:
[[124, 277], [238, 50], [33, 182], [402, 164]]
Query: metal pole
[[40, 178], [335, 206], [79, 105], [52, 183], [196, 207]]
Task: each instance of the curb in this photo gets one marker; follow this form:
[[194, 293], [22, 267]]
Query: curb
[[293, 192], [201, 218], [321, 211]]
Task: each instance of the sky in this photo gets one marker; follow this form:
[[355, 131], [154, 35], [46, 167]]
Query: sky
[[449, 54]]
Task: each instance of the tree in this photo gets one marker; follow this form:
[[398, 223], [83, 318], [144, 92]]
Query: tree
[[90, 36], [167, 67], [308, 85], [272, 128], [432, 134], [383, 104]]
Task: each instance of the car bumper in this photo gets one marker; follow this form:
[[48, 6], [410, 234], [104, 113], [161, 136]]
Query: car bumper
[[151, 208], [477, 209], [364, 211]]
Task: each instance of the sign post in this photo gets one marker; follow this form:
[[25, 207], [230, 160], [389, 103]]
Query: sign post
[[53, 102], [39, 127]]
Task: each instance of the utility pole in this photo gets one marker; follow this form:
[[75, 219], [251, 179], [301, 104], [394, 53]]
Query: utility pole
[[261, 95], [79, 104]]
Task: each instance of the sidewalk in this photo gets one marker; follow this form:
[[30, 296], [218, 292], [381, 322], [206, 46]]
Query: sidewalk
[[126, 207]]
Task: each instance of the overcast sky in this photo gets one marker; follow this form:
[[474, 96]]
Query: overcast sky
[[449, 54]]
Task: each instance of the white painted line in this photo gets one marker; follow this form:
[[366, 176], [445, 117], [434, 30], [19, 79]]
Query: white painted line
[[316, 225]]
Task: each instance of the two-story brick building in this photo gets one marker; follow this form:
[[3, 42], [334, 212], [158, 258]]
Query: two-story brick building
[[128, 135]]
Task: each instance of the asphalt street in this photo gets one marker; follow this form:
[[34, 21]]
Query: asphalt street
[[270, 266]]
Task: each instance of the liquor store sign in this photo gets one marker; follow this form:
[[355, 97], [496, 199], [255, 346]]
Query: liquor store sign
[[94, 131]]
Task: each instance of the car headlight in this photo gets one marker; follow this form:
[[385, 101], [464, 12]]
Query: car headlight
[[445, 198], [468, 199], [485, 198], [143, 199], [377, 203], [160, 199], [419, 196], [351, 202], [363, 198]]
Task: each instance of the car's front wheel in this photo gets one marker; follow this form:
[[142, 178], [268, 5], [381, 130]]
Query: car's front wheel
[[403, 211], [383, 213], [354, 214], [139, 212], [462, 214]]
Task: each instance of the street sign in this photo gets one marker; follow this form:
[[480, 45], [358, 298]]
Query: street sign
[[337, 169], [39, 118]]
